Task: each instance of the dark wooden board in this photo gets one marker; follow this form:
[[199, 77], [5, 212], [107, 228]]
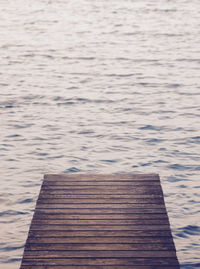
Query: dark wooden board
[[114, 197], [99, 200], [123, 183], [99, 246], [119, 227], [107, 189], [92, 233], [96, 211], [142, 189], [115, 216], [103, 262], [99, 253], [99, 239], [31, 266], [100, 221], [102, 177], [97, 205]]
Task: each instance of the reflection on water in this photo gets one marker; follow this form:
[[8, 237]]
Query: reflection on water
[[99, 87]]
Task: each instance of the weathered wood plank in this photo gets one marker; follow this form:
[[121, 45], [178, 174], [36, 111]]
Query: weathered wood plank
[[95, 211], [97, 191], [101, 206], [64, 200], [99, 253], [101, 177], [109, 233], [38, 227], [103, 261], [89, 246], [102, 239], [97, 267], [100, 221], [146, 216], [102, 187], [110, 188], [114, 197], [101, 183], [132, 216]]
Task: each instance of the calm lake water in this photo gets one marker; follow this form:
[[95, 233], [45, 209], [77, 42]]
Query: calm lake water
[[99, 87]]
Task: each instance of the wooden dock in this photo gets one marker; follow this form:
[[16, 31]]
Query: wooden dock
[[100, 221]]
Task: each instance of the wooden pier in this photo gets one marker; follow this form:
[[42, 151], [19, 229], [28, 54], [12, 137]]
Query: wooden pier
[[100, 221]]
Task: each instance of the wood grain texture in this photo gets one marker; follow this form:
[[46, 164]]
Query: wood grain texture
[[99, 200], [96, 211], [100, 221], [99, 246], [99, 253], [29, 266], [123, 183], [99, 239], [97, 205], [138, 216], [119, 227], [102, 177], [103, 262], [68, 233], [114, 197], [113, 222]]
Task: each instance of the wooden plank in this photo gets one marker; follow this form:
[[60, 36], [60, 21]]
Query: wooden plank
[[96, 206], [114, 197], [109, 233], [117, 216], [121, 200], [96, 211], [31, 266], [101, 183], [99, 253], [103, 261], [98, 267], [101, 177], [99, 240], [99, 192], [109, 246], [110, 188], [100, 221], [48, 227]]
